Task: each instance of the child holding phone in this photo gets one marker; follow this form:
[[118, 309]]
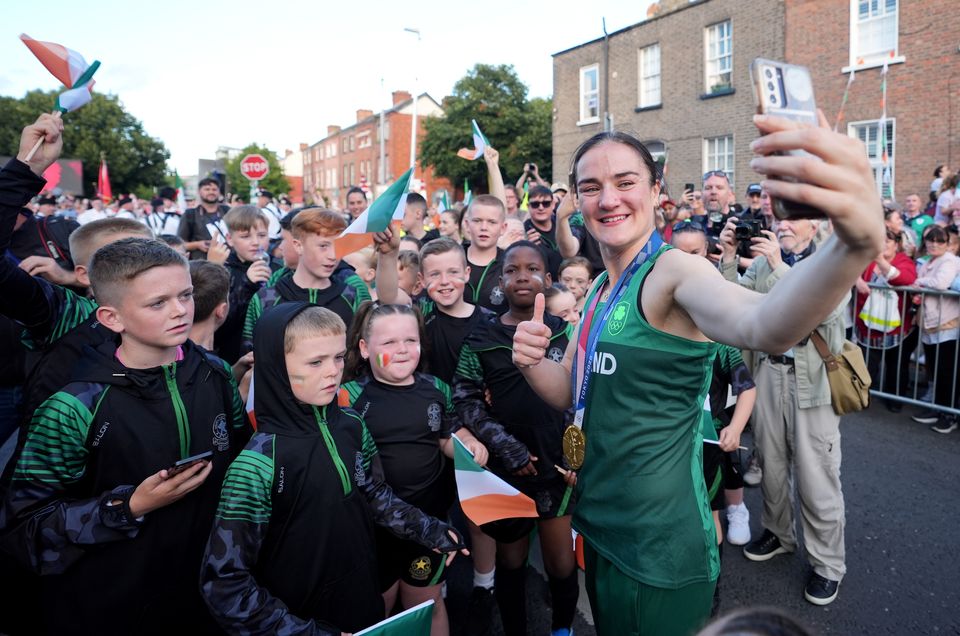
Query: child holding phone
[[91, 500]]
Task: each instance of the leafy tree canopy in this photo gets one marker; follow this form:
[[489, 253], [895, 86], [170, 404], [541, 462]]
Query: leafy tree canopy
[[137, 161], [520, 129]]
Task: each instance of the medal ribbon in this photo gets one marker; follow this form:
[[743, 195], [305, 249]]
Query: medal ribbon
[[591, 329]]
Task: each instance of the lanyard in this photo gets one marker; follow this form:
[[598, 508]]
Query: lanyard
[[591, 329]]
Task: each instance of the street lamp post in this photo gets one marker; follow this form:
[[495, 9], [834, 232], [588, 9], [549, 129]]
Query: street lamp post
[[413, 126]]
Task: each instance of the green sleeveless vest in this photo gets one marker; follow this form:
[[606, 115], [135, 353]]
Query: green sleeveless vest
[[643, 502]]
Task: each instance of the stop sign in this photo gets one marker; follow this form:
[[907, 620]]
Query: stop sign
[[254, 167]]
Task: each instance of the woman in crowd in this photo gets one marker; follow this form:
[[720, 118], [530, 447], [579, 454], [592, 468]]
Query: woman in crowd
[[876, 328], [939, 324]]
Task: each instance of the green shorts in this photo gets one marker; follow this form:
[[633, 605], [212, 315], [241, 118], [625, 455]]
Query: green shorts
[[624, 606]]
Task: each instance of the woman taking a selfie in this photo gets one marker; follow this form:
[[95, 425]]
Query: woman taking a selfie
[[650, 326]]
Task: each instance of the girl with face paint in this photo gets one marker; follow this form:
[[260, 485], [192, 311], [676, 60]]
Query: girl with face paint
[[527, 452], [411, 418]]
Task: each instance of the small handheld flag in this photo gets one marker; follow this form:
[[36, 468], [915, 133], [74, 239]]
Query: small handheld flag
[[412, 622], [388, 207], [71, 69], [480, 143], [485, 497], [181, 195], [467, 195]]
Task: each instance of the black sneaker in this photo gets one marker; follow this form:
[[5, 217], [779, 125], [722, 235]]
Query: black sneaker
[[764, 548], [929, 416], [946, 424], [480, 608], [821, 591]]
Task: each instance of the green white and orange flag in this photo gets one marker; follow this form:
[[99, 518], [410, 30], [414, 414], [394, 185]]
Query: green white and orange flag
[[69, 67], [467, 194], [181, 195], [480, 142], [412, 622], [485, 497], [388, 207]]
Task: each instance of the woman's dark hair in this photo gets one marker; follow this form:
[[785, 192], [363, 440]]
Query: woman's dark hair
[[936, 232], [621, 138], [355, 365], [938, 171]]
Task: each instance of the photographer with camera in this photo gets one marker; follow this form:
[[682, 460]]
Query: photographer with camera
[[795, 428], [718, 200], [531, 173]]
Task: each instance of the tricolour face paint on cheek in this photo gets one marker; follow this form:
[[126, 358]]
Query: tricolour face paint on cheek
[[297, 379], [383, 359]]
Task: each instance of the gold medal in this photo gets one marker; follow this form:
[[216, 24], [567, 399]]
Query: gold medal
[[574, 446]]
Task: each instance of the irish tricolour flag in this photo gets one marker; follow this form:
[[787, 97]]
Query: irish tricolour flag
[[485, 497], [412, 622], [480, 142], [67, 66], [386, 208]]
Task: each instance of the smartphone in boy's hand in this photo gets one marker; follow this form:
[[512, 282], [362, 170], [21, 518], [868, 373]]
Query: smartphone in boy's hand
[[186, 463]]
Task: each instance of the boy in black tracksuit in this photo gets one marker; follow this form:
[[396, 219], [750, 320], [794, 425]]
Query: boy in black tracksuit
[[91, 505], [249, 267], [316, 279], [532, 429], [292, 547]]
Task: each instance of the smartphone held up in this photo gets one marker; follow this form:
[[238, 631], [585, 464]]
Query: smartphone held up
[[786, 90]]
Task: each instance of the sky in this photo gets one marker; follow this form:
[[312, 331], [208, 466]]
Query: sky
[[205, 74]]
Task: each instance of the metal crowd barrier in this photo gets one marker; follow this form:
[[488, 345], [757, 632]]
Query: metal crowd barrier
[[896, 360]]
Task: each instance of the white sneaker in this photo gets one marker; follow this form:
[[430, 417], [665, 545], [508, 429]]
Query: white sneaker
[[754, 475], [738, 524]]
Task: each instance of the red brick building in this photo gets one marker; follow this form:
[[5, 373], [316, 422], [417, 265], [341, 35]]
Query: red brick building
[[680, 81], [349, 156], [919, 41]]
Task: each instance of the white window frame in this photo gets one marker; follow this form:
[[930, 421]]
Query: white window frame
[[877, 58], [647, 80], [585, 117], [711, 158], [876, 160], [711, 80]]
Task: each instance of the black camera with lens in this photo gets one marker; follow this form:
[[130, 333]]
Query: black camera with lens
[[747, 229]]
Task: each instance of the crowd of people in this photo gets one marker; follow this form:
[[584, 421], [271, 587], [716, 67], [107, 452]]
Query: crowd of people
[[217, 422]]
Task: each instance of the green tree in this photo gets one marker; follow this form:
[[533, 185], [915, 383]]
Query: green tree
[[517, 127], [137, 161], [275, 181]]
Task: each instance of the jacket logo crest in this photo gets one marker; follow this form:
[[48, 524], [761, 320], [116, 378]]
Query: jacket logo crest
[[420, 569], [221, 436]]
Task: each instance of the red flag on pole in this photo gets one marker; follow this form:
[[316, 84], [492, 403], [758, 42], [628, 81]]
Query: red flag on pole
[[103, 183]]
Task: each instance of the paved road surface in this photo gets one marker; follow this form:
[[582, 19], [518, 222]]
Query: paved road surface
[[901, 483]]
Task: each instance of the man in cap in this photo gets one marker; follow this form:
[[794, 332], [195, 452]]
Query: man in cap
[[46, 205], [125, 208]]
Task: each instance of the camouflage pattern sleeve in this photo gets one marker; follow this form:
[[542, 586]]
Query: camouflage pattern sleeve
[[46, 528], [397, 516], [472, 409], [234, 597]]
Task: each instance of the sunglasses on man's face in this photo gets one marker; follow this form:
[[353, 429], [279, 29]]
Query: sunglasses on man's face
[[715, 173], [541, 204]]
